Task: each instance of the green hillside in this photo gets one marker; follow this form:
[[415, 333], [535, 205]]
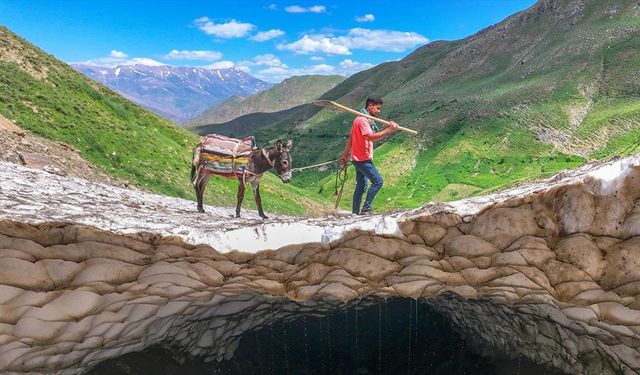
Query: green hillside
[[50, 99], [544, 90], [287, 94], [246, 125]]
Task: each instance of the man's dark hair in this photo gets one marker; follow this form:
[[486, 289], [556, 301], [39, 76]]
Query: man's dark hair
[[375, 100]]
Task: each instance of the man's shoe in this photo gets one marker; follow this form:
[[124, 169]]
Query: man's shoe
[[366, 212]]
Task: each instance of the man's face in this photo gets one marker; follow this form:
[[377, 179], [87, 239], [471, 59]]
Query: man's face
[[374, 109]]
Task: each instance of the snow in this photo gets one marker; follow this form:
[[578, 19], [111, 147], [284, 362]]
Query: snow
[[612, 175], [35, 196], [117, 72]]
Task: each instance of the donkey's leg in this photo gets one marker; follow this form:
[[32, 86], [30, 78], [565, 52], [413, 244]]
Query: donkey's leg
[[256, 195], [200, 184], [240, 196]]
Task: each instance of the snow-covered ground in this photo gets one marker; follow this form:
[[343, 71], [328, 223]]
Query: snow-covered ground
[[34, 196]]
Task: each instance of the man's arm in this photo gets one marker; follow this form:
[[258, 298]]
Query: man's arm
[[381, 134], [347, 151]]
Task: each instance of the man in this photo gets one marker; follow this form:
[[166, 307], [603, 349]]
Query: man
[[360, 147]]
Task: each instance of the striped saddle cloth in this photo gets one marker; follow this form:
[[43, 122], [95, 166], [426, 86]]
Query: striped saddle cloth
[[224, 156]]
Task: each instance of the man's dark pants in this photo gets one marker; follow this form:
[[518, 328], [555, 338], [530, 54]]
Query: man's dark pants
[[365, 170]]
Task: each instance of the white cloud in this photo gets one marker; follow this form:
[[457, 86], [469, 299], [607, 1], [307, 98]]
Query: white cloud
[[269, 60], [272, 6], [118, 54], [316, 44], [316, 58], [221, 65], [312, 9], [366, 18], [116, 58], [231, 29], [358, 38], [193, 55], [317, 9], [381, 40], [267, 35], [277, 74], [320, 69], [348, 67]]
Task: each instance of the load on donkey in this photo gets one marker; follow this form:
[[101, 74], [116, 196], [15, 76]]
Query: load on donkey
[[230, 157]]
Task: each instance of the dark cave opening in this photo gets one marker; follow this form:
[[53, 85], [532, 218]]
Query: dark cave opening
[[395, 336]]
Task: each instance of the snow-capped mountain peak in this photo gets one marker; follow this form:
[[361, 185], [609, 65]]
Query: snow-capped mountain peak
[[176, 93]]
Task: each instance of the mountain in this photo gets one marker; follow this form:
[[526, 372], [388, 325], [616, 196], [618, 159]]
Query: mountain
[[246, 125], [546, 89], [287, 94], [48, 98], [176, 93]]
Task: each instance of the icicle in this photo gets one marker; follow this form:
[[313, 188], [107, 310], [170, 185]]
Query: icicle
[[306, 341], [410, 334], [379, 338], [329, 342], [285, 346], [271, 346], [357, 332]]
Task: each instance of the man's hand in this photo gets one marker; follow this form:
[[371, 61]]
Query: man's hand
[[393, 126], [343, 160]]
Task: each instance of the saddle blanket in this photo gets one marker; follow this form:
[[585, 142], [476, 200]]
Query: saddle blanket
[[224, 156]]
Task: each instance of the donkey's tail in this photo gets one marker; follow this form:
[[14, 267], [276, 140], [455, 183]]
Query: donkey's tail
[[195, 160], [193, 173]]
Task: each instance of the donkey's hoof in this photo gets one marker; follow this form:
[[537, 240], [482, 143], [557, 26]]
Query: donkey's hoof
[[264, 217], [201, 210], [237, 216]]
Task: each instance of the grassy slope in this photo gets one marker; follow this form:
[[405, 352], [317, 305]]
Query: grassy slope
[[245, 125], [289, 93], [536, 94], [50, 99]]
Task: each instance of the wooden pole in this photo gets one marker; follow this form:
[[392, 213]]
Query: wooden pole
[[329, 103]]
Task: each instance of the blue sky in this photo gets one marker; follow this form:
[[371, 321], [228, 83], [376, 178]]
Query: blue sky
[[271, 40]]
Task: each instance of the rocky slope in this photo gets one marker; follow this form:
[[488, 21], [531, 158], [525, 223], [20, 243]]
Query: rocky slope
[[24, 148], [547, 271]]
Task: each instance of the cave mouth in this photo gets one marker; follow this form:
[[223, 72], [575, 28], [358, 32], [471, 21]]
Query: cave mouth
[[394, 336]]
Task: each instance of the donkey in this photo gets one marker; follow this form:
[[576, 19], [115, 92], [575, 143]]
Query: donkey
[[260, 161]]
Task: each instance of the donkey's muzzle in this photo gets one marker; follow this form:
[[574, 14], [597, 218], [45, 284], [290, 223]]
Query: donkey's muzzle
[[286, 177]]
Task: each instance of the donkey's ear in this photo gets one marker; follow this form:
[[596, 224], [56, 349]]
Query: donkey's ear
[[279, 145], [289, 144]]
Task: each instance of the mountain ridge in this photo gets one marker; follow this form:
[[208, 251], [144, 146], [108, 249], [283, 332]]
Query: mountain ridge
[[287, 94], [176, 93]]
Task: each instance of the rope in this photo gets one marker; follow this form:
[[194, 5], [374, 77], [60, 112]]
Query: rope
[[341, 175], [312, 166]]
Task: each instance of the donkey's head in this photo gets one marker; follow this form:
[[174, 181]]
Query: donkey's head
[[282, 161]]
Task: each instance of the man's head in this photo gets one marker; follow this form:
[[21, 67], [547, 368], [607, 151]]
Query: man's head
[[373, 105]]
